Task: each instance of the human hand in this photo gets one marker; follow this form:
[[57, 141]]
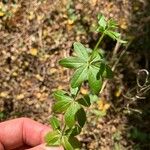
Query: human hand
[[23, 133]]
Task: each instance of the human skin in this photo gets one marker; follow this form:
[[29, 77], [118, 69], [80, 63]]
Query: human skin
[[23, 134]]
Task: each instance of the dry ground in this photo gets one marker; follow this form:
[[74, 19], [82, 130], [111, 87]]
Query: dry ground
[[35, 34]]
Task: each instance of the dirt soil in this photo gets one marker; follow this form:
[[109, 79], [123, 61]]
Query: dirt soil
[[35, 34]]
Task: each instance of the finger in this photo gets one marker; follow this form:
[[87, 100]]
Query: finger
[[15, 133], [43, 147]]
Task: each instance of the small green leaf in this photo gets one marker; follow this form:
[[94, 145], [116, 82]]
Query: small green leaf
[[112, 34], [81, 117], [95, 56], [66, 144], [72, 62], [76, 130], [112, 24], [52, 138], [73, 131], [61, 106], [95, 80], [79, 76], [74, 142], [80, 50], [61, 95], [54, 123], [108, 72], [121, 41], [85, 101], [74, 91], [70, 114], [102, 22]]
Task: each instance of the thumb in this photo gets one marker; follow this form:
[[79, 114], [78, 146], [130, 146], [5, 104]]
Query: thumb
[[44, 147]]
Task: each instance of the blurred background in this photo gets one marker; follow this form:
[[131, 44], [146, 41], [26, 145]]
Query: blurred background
[[35, 34]]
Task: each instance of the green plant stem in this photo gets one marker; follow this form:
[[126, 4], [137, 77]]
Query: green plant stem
[[63, 130], [99, 41]]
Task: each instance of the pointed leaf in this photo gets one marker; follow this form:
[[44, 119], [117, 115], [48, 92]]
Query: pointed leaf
[[72, 62], [85, 101], [79, 76], [95, 56], [73, 131], [61, 95], [52, 138], [74, 91], [112, 24], [102, 22], [95, 80], [74, 142], [61, 106], [70, 114], [54, 123], [108, 72], [81, 117], [80, 50], [76, 130], [66, 144]]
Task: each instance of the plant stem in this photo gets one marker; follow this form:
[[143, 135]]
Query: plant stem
[[63, 130], [99, 41]]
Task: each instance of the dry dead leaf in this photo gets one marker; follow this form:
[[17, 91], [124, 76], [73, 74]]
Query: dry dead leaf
[[103, 105], [33, 51], [20, 96], [4, 94]]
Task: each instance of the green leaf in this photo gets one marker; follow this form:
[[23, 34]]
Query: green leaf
[[93, 98], [81, 117], [108, 72], [61, 95], [74, 142], [79, 76], [112, 34], [85, 101], [76, 130], [52, 138], [102, 22], [121, 41], [61, 106], [95, 56], [74, 91], [115, 36], [73, 131], [95, 80], [66, 144], [54, 123], [112, 24], [72, 62], [80, 51], [70, 114]]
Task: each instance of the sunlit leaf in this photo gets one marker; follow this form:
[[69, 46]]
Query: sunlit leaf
[[61, 95], [80, 50], [54, 123], [70, 114], [52, 138], [61, 106], [95, 80], [79, 76], [66, 144], [72, 62], [102, 22]]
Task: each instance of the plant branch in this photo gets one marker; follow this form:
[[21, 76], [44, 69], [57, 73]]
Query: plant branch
[[99, 41]]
